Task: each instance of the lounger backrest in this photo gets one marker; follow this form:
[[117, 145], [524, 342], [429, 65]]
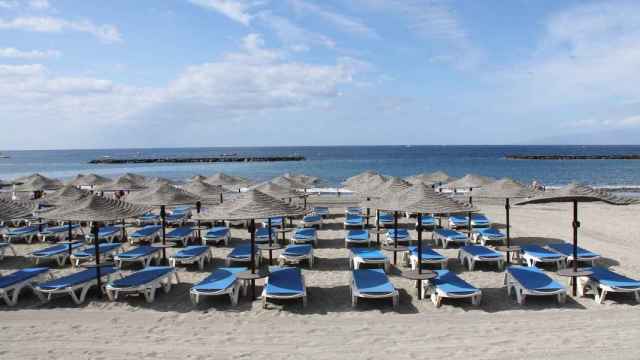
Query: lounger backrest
[[147, 230], [143, 276], [220, 279], [20, 276], [77, 278], [610, 278], [373, 281], [533, 278], [298, 249], [192, 250], [181, 232], [140, 251], [367, 253], [451, 283], [480, 250], [285, 280]]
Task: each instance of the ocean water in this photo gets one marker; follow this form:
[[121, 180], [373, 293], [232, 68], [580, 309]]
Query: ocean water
[[336, 163]]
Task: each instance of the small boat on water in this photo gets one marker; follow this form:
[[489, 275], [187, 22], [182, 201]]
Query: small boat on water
[[3, 156]]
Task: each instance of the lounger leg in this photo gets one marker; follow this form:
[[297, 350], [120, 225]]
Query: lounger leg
[[396, 299], [472, 264], [600, 298], [195, 298], [562, 298], [476, 300], [235, 294], [150, 294], [637, 296]]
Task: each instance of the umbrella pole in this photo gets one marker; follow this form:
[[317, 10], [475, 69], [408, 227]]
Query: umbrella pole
[[124, 232], [252, 230], [198, 208], [395, 236], [368, 214], [305, 201], [378, 227], [96, 246], [70, 238], [576, 225], [469, 225], [270, 240], [419, 229], [163, 217], [507, 206]]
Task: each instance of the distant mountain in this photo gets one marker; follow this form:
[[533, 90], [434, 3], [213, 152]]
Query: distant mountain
[[627, 136]]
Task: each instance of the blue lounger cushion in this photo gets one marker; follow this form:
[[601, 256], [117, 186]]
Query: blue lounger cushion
[[354, 220], [402, 233], [149, 217], [76, 278], [534, 279], [567, 250], [220, 279], [175, 217], [483, 251], [217, 232], [179, 233], [491, 233], [368, 254], [58, 229], [372, 281], [358, 235], [139, 251], [90, 251], [612, 279], [304, 233], [275, 221], [451, 234], [242, 251], [427, 253], [480, 219], [21, 275], [312, 218], [538, 252], [191, 251], [142, 277], [284, 281], [263, 233], [321, 210], [428, 220], [22, 230], [386, 217], [450, 283], [105, 231], [297, 250], [56, 249], [146, 231], [459, 219]]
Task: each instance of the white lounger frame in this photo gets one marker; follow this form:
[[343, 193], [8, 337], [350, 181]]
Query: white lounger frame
[[60, 236], [470, 260], [437, 294], [600, 290], [477, 237], [233, 291], [513, 284], [291, 259], [147, 289], [302, 295], [75, 260], [313, 239], [28, 237], [228, 260], [183, 240], [312, 223], [445, 240], [568, 259], [532, 261], [355, 294], [388, 239], [355, 261], [217, 239], [10, 294], [3, 250], [199, 259], [347, 241], [144, 260], [151, 238], [109, 238], [60, 258], [71, 290], [412, 260]]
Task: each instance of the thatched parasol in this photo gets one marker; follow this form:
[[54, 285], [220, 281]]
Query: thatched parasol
[[123, 183], [288, 183], [157, 180], [11, 210], [234, 182], [469, 181], [36, 182], [363, 177], [276, 191], [437, 177], [65, 194], [307, 180], [95, 209], [89, 180], [210, 194], [575, 193], [197, 178], [389, 187], [251, 205]]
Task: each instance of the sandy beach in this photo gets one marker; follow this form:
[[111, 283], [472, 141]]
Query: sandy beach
[[329, 327]]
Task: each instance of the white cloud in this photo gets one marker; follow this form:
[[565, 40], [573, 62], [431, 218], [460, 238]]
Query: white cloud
[[237, 10], [609, 124], [13, 53], [8, 4], [39, 4], [21, 70], [294, 36], [106, 33], [343, 22]]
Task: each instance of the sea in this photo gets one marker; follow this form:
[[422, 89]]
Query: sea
[[334, 164]]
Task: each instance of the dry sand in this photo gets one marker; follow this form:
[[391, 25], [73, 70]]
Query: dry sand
[[330, 328]]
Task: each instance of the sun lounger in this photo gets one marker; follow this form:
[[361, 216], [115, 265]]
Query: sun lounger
[[359, 256], [304, 236], [480, 221], [385, 219], [12, 284], [222, 281], [81, 281], [353, 211], [428, 222], [485, 235], [175, 219], [58, 233], [59, 253], [148, 219], [185, 210], [296, 254], [321, 210], [471, 254], [448, 285], [242, 254], [145, 282], [89, 253], [180, 235], [217, 235], [402, 236], [535, 254], [195, 254], [448, 236], [353, 221], [105, 233], [372, 284], [275, 222], [284, 283], [357, 237], [603, 281], [143, 254], [532, 281], [429, 256], [262, 235], [458, 222], [26, 233], [312, 220], [4, 246], [148, 233], [566, 250]]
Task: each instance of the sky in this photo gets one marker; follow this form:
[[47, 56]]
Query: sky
[[171, 73]]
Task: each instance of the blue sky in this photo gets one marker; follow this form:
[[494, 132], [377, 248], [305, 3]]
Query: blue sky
[[119, 73]]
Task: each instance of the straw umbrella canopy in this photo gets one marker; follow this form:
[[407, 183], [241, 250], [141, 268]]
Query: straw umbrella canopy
[[198, 178], [251, 205], [288, 182], [359, 178], [437, 177], [211, 194], [12, 210], [391, 186], [576, 193], [89, 180], [506, 189], [277, 191], [36, 182], [95, 209], [122, 183], [163, 195], [307, 180], [469, 181], [157, 180], [235, 182], [65, 194]]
